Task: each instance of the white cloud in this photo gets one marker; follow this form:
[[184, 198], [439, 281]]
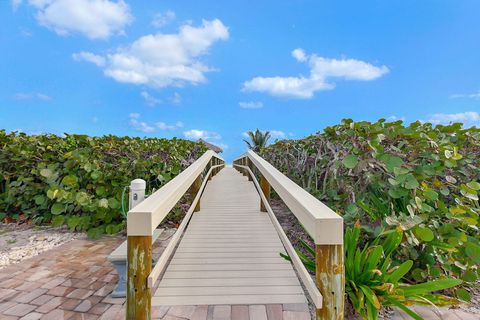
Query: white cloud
[[299, 55], [149, 99], [394, 118], [89, 57], [223, 146], [165, 126], [27, 33], [196, 134], [321, 71], [32, 96], [469, 118], [152, 101], [475, 95], [95, 19], [140, 125], [176, 98], [162, 19], [277, 134], [251, 105], [16, 4], [151, 127], [163, 60]]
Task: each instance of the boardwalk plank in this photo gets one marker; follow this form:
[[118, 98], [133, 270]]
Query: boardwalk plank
[[230, 252]]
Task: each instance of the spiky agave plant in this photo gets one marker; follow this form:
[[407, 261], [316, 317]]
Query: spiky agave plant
[[372, 281], [258, 139]]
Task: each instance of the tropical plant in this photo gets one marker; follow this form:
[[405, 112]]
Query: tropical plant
[[421, 178], [258, 140], [78, 180], [373, 280]]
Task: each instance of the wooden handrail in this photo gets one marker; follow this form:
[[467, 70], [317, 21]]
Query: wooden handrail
[[321, 223], [144, 218]]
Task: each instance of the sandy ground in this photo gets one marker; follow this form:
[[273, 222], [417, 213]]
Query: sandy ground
[[19, 242]]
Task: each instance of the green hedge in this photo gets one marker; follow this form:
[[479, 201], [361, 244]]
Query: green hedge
[[78, 180], [419, 178]]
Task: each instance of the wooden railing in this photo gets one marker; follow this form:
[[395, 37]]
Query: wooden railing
[[321, 223], [143, 219]]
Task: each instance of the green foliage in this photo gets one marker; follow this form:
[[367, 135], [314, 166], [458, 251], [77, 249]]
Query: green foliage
[[258, 140], [373, 280], [78, 180], [419, 178]]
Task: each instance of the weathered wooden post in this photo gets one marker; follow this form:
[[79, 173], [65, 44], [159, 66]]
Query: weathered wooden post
[[330, 278], [266, 191], [207, 168], [249, 164], [214, 172], [194, 189], [139, 264]]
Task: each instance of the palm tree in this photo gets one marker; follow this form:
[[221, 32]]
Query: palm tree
[[258, 139]]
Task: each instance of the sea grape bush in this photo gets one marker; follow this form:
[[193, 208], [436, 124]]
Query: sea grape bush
[[78, 180], [421, 178], [373, 281]]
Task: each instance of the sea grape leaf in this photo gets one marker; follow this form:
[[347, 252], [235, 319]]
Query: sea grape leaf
[[424, 233], [57, 208], [350, 161], [473, 251]]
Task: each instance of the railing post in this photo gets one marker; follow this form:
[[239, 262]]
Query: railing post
[[137, 192], [266, 191], [249, 164], [210, 164], [194, 189], [330, 278], [139, 264]]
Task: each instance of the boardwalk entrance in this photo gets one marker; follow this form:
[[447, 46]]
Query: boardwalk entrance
[[226, 251], [229, 253]]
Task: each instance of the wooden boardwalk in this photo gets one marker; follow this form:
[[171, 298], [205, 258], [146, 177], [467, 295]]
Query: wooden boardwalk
[[229, 253]]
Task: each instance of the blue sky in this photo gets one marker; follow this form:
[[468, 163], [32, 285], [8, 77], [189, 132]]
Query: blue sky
[[216, 70]]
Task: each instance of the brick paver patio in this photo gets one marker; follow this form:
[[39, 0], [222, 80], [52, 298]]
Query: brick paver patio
[[74, 281]]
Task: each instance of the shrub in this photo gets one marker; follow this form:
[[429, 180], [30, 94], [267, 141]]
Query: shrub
[[373, 281], [78, 180], [419, 178]]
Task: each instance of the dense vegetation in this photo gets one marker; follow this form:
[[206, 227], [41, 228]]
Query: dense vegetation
[[79, 180], [419, 179]]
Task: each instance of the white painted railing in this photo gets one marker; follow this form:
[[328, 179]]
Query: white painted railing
[[322, 224], [144, 218]]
